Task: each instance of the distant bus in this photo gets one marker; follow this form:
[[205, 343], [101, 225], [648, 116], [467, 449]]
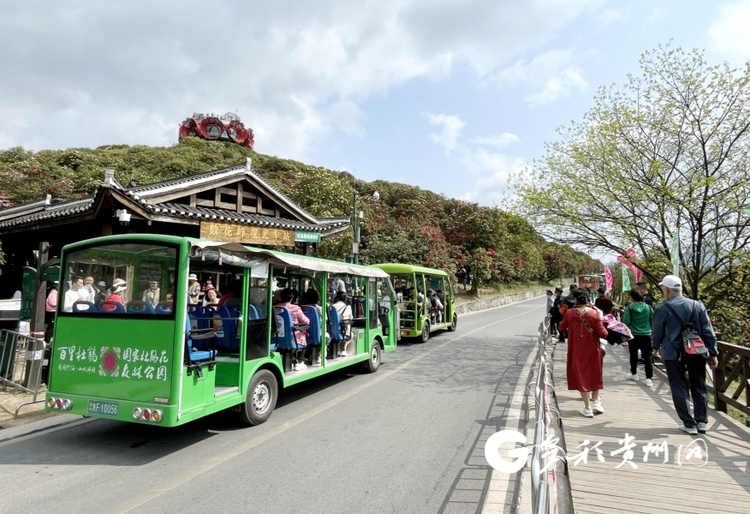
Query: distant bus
[[155, 347], [412, 284], [590, 282]]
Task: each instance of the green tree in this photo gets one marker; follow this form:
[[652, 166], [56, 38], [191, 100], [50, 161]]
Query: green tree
[[667, 149]]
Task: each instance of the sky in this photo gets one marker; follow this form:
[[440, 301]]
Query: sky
[[451, 96]]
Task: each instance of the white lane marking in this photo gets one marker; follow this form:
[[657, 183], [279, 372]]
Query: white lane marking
[[497, 494], [199, 469]]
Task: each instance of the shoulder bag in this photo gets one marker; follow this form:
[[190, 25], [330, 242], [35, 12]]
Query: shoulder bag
[[602, 342], [692, 344]]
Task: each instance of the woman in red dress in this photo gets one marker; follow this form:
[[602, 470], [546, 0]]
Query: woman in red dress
[[584, 327]]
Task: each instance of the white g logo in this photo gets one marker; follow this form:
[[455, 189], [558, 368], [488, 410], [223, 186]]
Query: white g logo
[[492, 451]]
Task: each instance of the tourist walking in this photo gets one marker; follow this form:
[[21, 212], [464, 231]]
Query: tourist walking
[[638, 317], [585, 364], [556, 315], [670, 317]]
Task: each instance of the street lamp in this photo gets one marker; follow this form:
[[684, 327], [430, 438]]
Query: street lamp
[[356, 215]]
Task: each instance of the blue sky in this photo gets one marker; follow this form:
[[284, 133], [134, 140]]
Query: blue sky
[[451, 96]]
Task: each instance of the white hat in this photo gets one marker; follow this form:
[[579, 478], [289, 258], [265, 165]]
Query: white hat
[[118, 282], [102, 283], [671, 282], [192, 276]]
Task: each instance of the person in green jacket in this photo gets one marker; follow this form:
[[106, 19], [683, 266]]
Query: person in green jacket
[[638, 317]]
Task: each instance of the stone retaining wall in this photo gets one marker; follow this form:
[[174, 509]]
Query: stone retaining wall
[[496, 301]]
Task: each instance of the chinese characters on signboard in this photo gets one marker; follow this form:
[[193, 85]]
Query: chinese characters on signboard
[[129, 363], [236, 233]]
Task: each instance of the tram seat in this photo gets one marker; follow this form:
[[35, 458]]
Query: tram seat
[[234, 336], [218, 317], [260, 309], [111, 307], [252, 312], [336, 327], [139, 307], [358, 306], [284, 337], [203, 316], [314, 331], [164, 307], [195, 355], [83, 306]]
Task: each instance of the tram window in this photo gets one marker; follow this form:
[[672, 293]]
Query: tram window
[[257, 319], [372, 304], [121, 279]]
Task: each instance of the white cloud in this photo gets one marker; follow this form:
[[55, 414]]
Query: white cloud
[[87, 74], [451, 125], [560, 87], [347, 115], [501, 141], [657, 14], [728, 33], [555, 69], [609, 16], [494, 169]]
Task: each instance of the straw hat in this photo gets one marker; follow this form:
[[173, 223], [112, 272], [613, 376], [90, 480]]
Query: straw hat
[[192, 276], [119, 282]]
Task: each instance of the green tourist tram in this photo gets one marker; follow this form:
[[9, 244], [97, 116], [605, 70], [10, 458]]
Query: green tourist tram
[[412, 284], [138, 336]]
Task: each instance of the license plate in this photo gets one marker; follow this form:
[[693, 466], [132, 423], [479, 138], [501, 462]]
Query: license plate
[[104, 408]]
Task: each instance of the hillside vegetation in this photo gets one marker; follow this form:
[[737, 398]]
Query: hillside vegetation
[[407, 224]]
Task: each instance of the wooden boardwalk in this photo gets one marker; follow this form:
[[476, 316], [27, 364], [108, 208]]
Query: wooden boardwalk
[[687, 483]]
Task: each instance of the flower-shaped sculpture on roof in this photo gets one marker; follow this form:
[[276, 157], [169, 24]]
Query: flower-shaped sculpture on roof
[[222, 128]]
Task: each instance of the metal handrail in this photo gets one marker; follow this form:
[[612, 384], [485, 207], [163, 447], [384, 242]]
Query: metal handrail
[[550, 492], [21, 358], [539, 478]]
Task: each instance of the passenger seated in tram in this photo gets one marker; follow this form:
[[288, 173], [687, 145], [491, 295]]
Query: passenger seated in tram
[[151, 295], [116, 291], [311, 298], [345, 314], [298, 318], [436, 307], [73, 294], [211, 298]]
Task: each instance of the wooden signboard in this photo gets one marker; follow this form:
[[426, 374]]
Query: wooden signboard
[[248, 234]]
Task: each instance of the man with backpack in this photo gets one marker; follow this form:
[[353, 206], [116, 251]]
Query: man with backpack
[[682, 336]]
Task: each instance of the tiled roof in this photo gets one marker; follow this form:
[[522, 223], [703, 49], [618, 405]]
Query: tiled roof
[[147, 197], [58, 210], [150, 190], [213, 214], [190, 180]]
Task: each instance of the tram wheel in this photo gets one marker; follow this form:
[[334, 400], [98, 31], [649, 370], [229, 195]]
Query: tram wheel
[[262, 394], [373, 363], [452, 328], [425, 332]]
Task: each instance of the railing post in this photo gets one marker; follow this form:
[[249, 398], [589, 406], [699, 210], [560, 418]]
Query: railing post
[[718, 376]]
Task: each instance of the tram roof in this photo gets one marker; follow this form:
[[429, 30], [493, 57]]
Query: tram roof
[[297, 261]]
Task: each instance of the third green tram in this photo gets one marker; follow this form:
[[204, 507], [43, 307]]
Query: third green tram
[[163, 330], [425, 298]]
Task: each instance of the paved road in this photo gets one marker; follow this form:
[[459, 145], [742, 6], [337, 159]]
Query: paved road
[[406, 439]]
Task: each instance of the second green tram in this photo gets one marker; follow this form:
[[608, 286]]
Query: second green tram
[[426, 299]]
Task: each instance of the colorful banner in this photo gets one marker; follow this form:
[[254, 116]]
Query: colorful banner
[[635, 269], [625, 279], [675, 253], [626, 263], [609, 280]]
